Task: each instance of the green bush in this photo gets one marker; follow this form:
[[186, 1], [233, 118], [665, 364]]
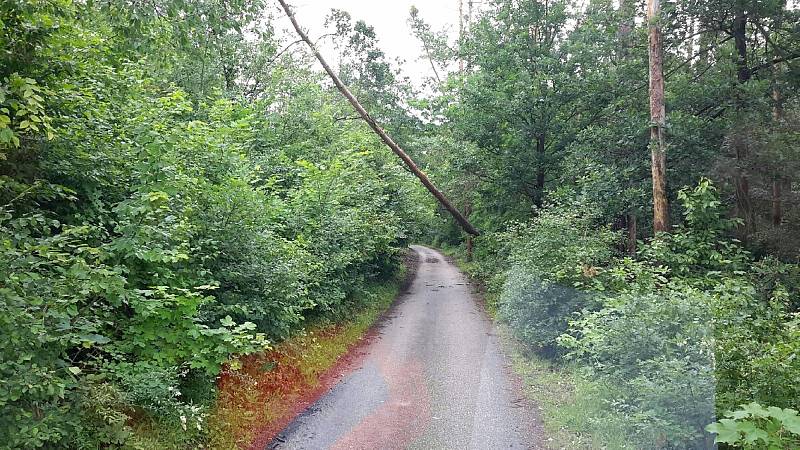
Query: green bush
[[70, 316], [657, 350], [552, 269], [151, 235], [689, 327], [756, 427], [758, 343]]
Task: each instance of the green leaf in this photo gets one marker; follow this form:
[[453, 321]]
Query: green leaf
[[756, 410], [751, 432], [790, 420], [93, 339], [727, 431]]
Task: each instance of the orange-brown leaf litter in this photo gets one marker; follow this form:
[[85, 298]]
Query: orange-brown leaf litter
[[261, 398]]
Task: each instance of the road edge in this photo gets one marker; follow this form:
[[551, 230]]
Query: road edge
[[269, 437]]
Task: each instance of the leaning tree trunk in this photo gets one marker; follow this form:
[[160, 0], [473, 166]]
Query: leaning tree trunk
[[440, 197], [470, 241], [658, 145]]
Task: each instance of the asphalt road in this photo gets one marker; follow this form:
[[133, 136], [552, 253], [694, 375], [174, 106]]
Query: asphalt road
[[434, 378]]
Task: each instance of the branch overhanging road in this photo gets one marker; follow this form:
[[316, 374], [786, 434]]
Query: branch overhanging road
[[407, 160], [434, 377]]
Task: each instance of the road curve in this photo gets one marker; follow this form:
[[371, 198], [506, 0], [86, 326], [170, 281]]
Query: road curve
[[434, 378]]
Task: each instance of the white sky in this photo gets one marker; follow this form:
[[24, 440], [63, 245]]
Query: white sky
[[390, 20]]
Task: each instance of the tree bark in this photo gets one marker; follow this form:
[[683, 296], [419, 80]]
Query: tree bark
[[626, 12], [690, 38], [658, 147], [460, 35], [777, 204], [470, 242], [744, 204], [440, 197], [632, 232], [777, 181], [538, 199], [740, 41]]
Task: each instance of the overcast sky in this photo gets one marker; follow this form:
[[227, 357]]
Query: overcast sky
[[390, 20]]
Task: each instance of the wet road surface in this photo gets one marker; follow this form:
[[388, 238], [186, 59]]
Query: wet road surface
[[434, 378]]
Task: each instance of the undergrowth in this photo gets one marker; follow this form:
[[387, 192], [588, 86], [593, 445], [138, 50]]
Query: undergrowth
[[570, 404], [255, 400]]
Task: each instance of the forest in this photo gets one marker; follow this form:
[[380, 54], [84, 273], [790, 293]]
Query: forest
[[185, 193]]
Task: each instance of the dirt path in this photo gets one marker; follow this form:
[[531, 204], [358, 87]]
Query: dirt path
[[434, 378]]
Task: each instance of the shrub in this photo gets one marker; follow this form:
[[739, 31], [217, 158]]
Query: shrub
[[657, 350], [69, 315], [553, 265], [756, 427], [690, 332]]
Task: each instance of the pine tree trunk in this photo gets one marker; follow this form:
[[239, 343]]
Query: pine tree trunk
[[658, 146], [777, 181], [744, 204]]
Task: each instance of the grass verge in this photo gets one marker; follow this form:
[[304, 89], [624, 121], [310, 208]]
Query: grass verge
[[258, 400], [571, 405], [251, 404]]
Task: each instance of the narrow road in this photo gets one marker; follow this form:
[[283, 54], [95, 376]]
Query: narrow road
[[434, 378]]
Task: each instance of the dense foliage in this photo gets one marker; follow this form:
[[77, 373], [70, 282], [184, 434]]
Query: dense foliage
[[544, 137], [173, 193], [180, 187]]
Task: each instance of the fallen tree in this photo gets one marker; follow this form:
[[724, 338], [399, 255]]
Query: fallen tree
[[440, 197]]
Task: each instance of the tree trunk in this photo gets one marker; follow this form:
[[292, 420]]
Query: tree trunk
[[632, 232], [470, 244], [460, 35], [538, 199], [744, 204], [706, 41], [658, 146], [777, 181], [777, 205], [690, 38], [626, 12], [740, 40], [412, 166]]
